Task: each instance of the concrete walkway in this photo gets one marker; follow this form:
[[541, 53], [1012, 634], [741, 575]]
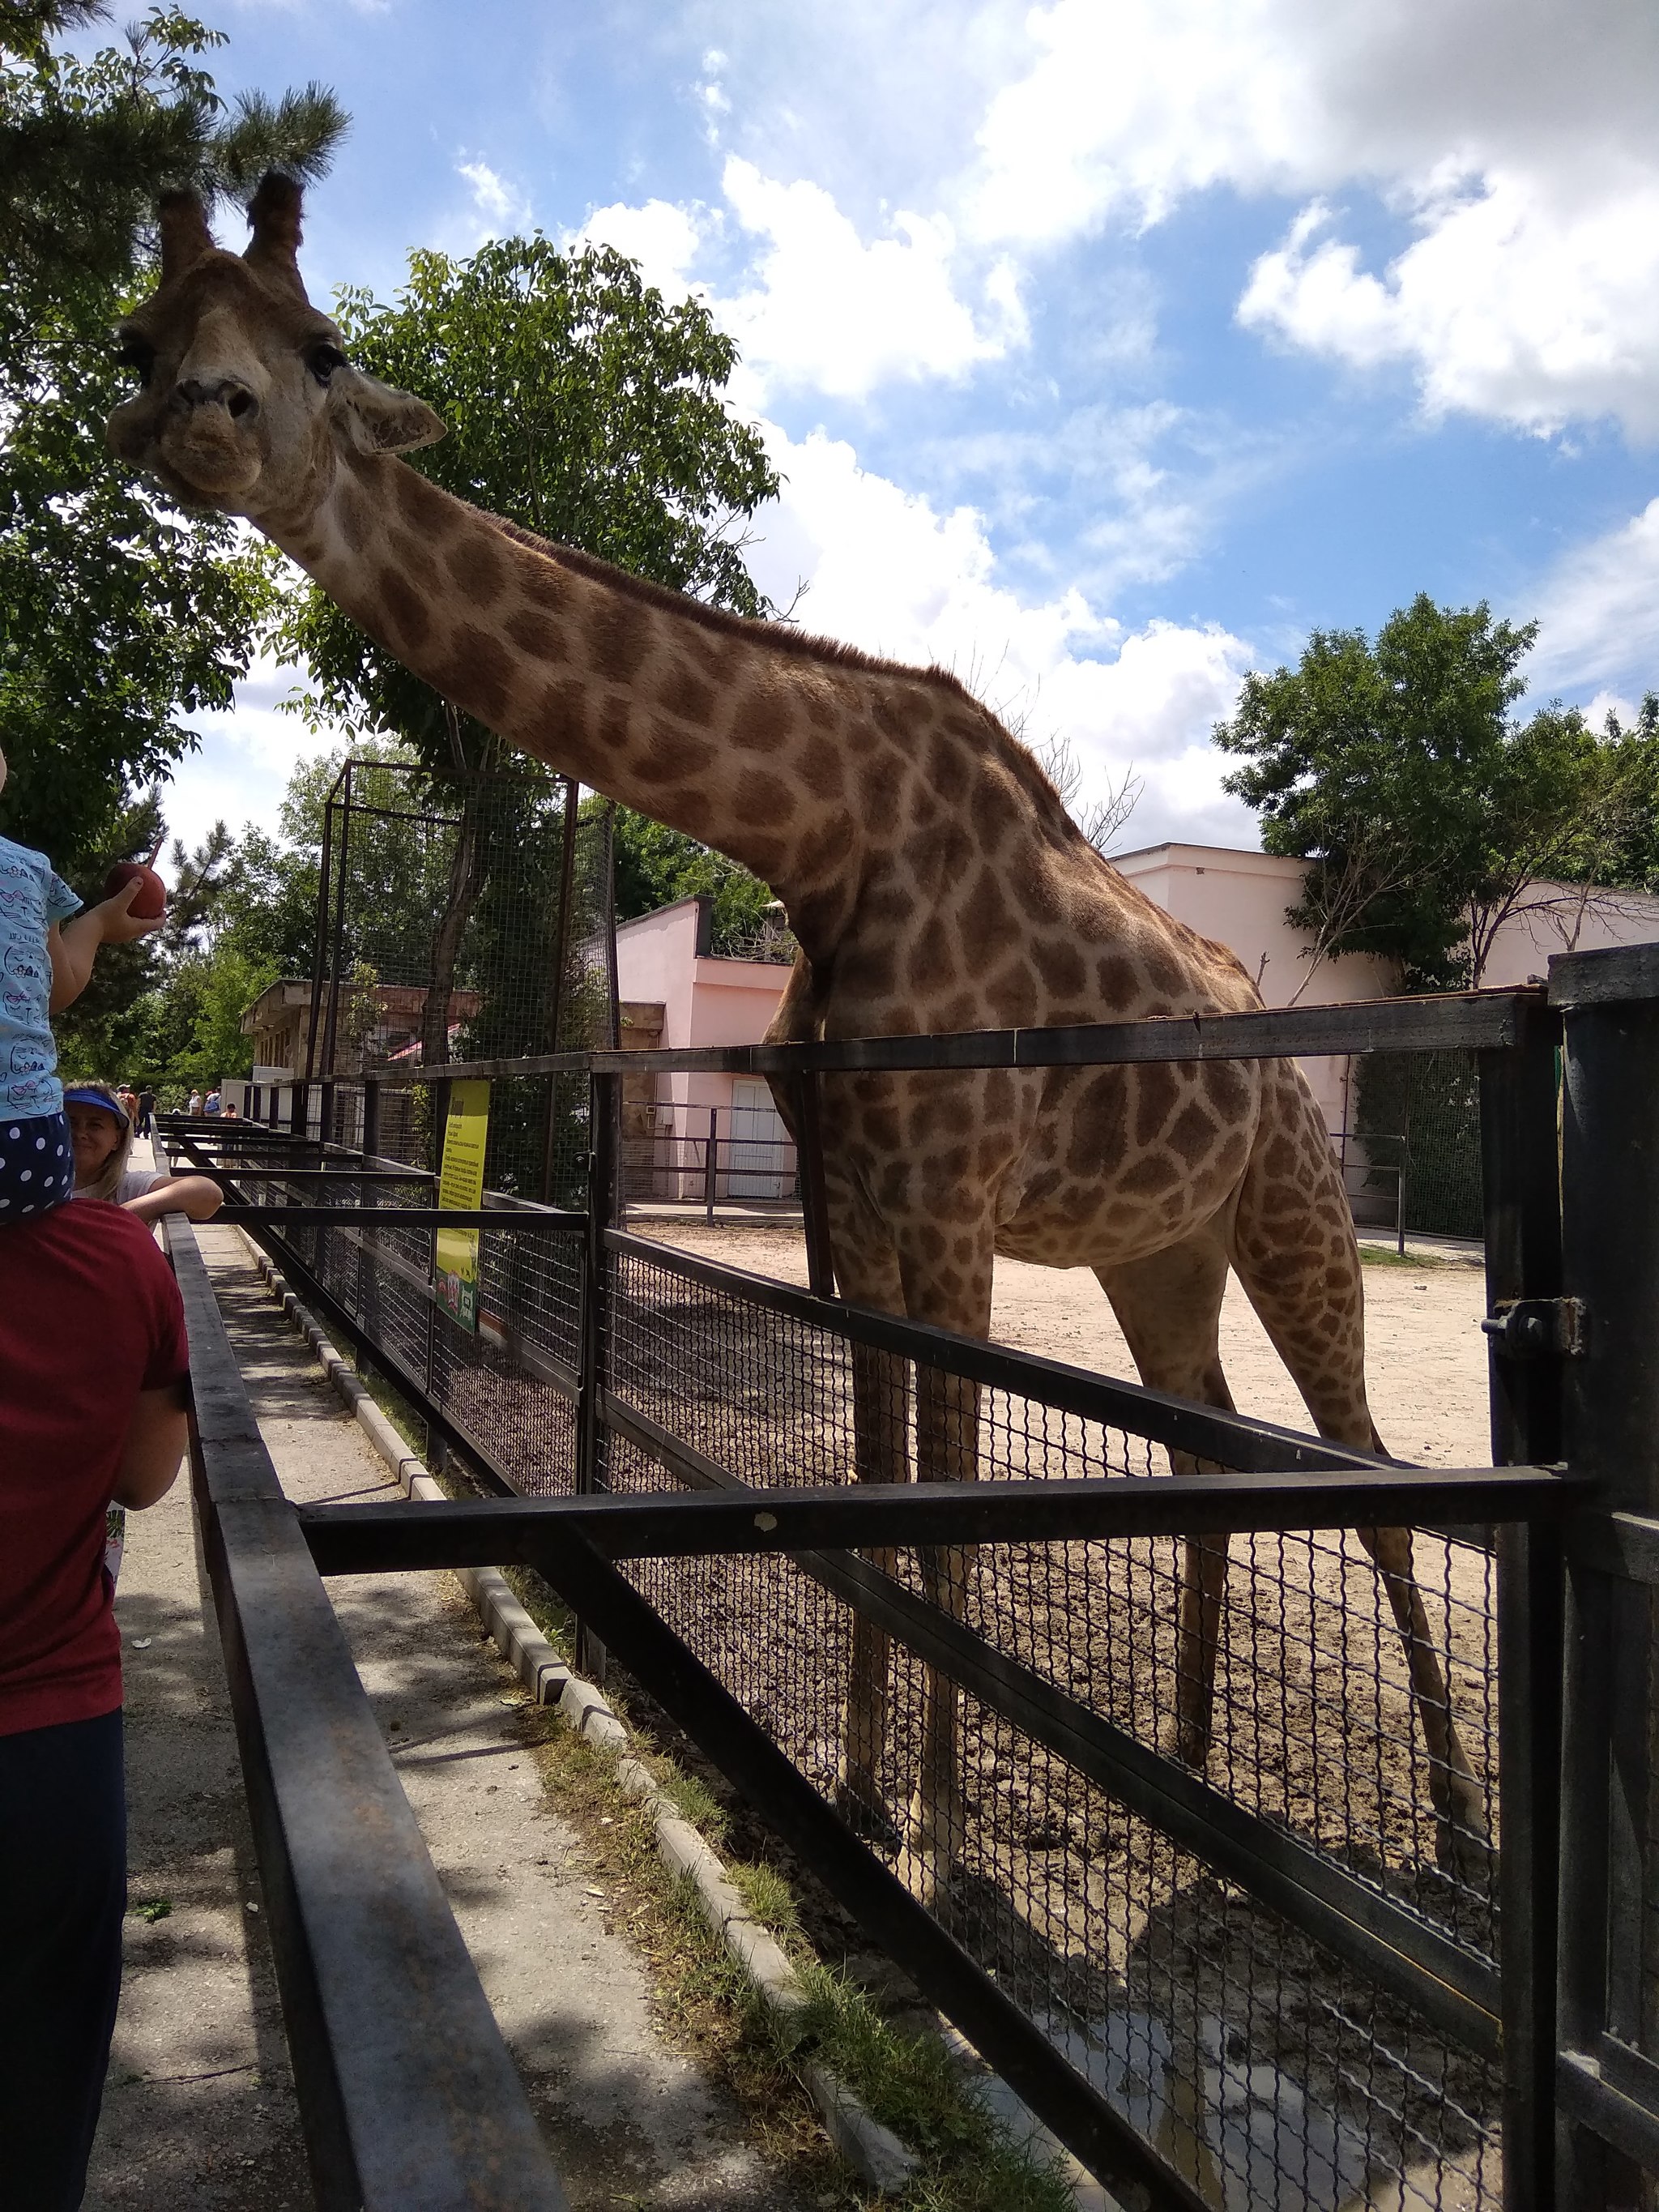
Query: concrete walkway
[[199, 2111]]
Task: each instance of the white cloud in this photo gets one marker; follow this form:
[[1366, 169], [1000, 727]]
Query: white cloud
[[815, 307], [496, 209], [246, 756], [888, 572], [829, 312], [1509, 304], [1515, 136], [1599, 613], [663, 236]]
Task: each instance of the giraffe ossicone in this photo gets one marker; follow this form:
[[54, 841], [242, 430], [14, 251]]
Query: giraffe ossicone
[[934, 883]]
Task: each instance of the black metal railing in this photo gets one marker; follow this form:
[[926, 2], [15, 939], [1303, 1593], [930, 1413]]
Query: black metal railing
[[1286, 1975]]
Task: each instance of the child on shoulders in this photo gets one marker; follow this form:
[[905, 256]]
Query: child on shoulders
[[48, 943]]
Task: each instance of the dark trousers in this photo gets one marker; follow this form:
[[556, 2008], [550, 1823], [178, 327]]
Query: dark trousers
[[62, 1894]]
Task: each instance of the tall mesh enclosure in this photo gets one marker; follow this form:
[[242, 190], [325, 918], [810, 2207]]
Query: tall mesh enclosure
[[465, 917], [1418, 1121]]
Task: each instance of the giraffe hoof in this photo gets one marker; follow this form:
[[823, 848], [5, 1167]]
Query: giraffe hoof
[[1463, 1843], [860, 1805], [1189, 1745], [926, 1873]]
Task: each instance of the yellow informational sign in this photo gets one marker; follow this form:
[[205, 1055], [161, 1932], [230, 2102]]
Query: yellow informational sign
[[460, 1184]]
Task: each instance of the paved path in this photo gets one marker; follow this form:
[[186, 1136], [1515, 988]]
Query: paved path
[[199, 2112]]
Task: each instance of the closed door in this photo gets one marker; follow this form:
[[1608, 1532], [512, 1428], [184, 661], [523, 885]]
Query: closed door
[[763, 1159]]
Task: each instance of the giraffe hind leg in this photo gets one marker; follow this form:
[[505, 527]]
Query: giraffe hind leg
[[1169, 1307], [1297, 1256]]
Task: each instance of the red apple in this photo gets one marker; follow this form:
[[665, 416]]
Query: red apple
[[152, 898]]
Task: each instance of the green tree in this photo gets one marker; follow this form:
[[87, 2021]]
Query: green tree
[[655, 866], [118, 617], [1426, 810]]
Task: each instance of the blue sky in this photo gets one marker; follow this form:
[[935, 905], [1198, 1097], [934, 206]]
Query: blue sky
[[1107, 346]]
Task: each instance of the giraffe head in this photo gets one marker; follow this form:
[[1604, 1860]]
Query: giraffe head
[[245, 395]]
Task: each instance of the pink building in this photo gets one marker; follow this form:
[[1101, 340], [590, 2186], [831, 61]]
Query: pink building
[[668, 980]]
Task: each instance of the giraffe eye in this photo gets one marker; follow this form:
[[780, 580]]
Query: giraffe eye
[[135, 353], [323, 360]]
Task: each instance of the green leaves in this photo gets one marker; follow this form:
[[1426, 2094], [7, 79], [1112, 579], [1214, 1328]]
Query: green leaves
[[655, 866], [1426, 812], [118, 616]]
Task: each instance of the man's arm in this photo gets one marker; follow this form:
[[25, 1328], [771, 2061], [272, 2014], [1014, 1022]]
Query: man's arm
[[74, 944], [156, 1437]]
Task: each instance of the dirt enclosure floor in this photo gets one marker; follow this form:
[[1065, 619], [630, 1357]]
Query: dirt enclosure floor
[[1425, 1357]]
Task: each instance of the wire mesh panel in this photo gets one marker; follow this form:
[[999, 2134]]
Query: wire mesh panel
[[1266, 2067], [467, 917]]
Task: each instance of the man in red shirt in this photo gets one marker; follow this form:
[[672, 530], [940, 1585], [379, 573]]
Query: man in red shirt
[[93, 1366]]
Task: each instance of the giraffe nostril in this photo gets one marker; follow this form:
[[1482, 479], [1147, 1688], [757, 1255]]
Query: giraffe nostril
[[236, 398]]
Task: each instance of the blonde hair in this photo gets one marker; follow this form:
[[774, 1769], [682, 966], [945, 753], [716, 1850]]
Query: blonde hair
[[108, 1179]]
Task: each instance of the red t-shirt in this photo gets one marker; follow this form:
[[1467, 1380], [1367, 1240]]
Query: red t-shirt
[[89, 1316]]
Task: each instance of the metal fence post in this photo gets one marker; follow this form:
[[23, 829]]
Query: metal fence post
[[1521, 1207], [604, 1122], [815, 1211], [1610, 1419], [711, 1164]]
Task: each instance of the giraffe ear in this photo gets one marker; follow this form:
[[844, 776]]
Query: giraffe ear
[[185, 234], [377, 418]]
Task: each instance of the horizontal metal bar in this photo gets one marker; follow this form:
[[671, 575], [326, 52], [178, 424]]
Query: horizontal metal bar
[[1232, 1439], [1464, 1021], [505, 1217], [1625, 1544], [407, 2092], [383, 1537], [770, 1784], [329, 1176], [1587, 2095]]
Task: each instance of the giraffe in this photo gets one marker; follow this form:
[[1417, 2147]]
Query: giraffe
[[934, 883]]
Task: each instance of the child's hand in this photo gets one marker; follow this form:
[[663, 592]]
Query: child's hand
[[117, 923]]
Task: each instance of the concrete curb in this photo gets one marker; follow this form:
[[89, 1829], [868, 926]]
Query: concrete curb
[[874, 2152]]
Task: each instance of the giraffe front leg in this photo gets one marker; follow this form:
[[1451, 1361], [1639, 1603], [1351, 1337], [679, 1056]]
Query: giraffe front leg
[[947, 1449], [1203, 1592], [881, 1401]]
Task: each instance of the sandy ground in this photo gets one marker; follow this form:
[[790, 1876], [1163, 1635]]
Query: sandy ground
[[199, 2111], [1425, 1359]]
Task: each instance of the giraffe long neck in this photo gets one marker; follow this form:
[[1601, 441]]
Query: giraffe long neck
[[705, 726]]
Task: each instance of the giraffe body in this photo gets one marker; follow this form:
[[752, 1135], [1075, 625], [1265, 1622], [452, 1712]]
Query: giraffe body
[[933, 881]]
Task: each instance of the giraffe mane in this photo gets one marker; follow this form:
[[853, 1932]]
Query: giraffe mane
[[783, 637]]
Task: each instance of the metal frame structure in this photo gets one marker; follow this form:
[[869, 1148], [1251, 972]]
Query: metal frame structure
[[1572, 1271]]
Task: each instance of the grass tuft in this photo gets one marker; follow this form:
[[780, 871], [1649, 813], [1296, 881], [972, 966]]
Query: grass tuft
[[1384, 1255], [769, 1898], [911, 2084], [692, 1799]]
